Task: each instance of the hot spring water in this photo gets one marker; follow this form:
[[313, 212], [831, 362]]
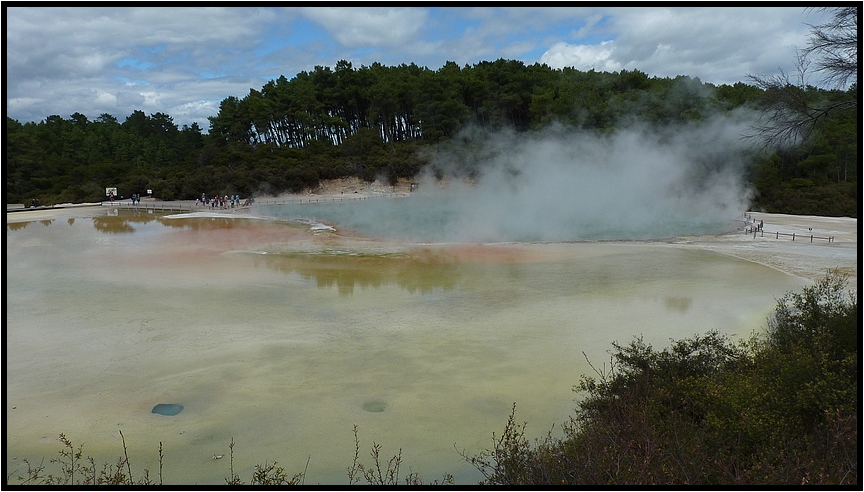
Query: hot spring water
[[283, 338], [445, 216]]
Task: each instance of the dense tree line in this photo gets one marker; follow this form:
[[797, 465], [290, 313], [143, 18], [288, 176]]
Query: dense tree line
[[408, 102], [375, 121]]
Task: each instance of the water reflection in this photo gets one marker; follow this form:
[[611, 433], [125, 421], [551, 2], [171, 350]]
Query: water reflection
[[417, 272], [126, 222], [200, 223], [15, 226], [422, 270], [121, 224]]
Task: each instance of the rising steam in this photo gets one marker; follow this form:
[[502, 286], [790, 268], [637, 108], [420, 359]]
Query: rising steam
[[562, 184]]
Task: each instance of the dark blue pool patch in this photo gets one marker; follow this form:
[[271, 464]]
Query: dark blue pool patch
[[167, 409], [374, 406]]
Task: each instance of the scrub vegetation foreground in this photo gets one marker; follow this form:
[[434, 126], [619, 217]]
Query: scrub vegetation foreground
[[780, 408]]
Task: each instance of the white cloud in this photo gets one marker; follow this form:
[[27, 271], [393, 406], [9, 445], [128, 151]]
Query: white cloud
[[104, 99], [16, 105], [716, 44], [582, 57], [363, 27], [194, 111]]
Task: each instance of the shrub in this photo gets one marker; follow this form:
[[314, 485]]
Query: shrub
[[777, 409]]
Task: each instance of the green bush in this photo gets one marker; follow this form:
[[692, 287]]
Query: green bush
[[777, 409]]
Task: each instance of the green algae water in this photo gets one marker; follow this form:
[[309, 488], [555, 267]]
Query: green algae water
[[467, 217]]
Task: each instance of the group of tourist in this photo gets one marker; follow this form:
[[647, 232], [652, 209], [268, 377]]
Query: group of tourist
[[757, 226], [134, 199], [216, 201]]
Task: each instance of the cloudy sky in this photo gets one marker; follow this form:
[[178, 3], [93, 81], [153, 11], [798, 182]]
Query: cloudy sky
[[183, 61]]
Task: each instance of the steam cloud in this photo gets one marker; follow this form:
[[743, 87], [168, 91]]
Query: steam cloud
[[564, 185]]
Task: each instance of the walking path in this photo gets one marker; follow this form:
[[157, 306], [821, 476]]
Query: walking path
[[193, 205]]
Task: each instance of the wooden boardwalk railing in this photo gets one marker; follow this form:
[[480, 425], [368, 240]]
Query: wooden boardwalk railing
[[793, 235], [160, 206]]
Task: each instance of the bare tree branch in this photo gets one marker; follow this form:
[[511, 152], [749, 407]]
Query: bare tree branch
[[794, 112], [835, 46]]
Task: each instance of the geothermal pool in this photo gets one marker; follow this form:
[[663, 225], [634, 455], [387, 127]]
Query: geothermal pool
[[481, 215], [283, 336]]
